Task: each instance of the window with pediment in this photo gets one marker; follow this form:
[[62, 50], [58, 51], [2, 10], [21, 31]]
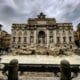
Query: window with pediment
[[64, 32], [70, 39], [70, 32], [25, 39], [64, 39], [25, 33], [19, 33], [58, 39], [58, 32], [51, 39], [19, 39], [31, 39], [14, 39], [51, 32], [32, 33]]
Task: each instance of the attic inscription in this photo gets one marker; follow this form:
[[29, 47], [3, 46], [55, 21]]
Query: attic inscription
[[41, 22]]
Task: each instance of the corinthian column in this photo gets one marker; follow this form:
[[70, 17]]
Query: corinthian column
[[35, 37], [61, 36], [55, 41]]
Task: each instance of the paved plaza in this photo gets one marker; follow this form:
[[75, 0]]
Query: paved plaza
[[40, 59]]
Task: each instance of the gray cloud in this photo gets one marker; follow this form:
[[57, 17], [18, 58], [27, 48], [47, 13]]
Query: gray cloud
[[20, 10]]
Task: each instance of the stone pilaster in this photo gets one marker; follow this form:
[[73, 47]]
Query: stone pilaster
[[22, 38], [67, 37], [61, 36], [54, 33], [35, 36], [28, 37], [16, 37], [47, 38], [72, 36]]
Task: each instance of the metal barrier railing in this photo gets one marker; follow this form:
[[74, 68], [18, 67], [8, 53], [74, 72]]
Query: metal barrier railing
[[65, 68]]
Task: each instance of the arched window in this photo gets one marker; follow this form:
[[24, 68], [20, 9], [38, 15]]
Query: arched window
[[19, 33], [41, 37]]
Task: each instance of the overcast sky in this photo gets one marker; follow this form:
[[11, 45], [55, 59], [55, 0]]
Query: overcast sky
[[18, 11]]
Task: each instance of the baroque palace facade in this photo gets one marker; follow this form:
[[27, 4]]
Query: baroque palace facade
[[77, 36], [5, 39], [42, 31]]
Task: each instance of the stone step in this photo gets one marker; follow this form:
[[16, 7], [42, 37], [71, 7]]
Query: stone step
[[40, 78]]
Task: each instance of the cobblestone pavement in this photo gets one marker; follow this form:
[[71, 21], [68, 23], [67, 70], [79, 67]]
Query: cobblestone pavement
[[29, 77], [33, 76]]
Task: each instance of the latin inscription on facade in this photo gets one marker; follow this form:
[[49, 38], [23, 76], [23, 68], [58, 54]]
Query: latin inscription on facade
[[41, 22]]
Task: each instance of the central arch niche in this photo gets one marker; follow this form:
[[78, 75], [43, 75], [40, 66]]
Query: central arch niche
[[41, 37]]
